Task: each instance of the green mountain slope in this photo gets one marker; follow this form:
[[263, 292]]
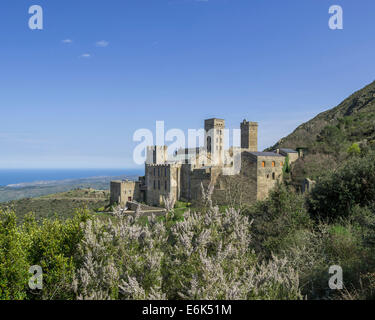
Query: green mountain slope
[[330, 134], [62, 205]]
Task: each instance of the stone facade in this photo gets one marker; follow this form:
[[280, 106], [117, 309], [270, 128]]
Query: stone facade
[[162, 180], [214, 141], [182, 174], [292, 154], [124, 191], [265, 169], [249, 135]]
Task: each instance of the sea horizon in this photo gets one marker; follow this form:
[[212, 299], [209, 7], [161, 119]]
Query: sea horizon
[[17, 176]]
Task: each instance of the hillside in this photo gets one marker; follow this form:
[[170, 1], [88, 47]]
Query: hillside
[[42, 188], [330, 134], [62, 204]]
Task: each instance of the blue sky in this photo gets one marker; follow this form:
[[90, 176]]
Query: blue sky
[[181, 61]]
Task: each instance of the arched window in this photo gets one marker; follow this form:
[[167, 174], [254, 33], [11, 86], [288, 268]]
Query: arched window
[[273, 176], [273, 163], [263, 164]]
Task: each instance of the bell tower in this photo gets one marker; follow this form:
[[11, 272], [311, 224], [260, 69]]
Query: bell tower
[[214, 140], [249, 135]]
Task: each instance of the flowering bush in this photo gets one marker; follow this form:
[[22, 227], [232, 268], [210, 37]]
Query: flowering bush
[[206, 256]]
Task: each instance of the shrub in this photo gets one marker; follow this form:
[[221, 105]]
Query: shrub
[[53, 245], [354, 150], [205, 256], [13, 260], [282, 213], [336, 193]]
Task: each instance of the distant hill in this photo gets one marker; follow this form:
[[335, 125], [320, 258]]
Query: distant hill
[[329, 135], [62, 205], [42, 188]]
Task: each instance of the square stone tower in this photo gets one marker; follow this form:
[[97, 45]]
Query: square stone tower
[[249, 136], [214, 140]]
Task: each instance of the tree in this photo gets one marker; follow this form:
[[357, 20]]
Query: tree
[[13, 261], [286, 166], [354, 150], [336, 193]]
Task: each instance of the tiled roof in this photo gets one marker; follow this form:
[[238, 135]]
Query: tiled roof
[[288, 150], [266, 154]]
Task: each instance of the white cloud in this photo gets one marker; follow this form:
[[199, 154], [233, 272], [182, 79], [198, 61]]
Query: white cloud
[[67, 41], [102, 43], [85, 55]]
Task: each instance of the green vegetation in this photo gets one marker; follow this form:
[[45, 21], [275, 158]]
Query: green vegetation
[[60, 205], [51, 245], [337, 193], [334, 136], [278, 248], [333, 225], [354, 150]]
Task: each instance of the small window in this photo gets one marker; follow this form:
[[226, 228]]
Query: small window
[[273, 176], [268, 176], [263, 164], [165, 185], [154, 184], [273, 163], [159, 184], [154, 171], [165, 171]]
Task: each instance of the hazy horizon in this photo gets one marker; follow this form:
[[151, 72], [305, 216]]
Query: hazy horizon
[[19, 176]]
